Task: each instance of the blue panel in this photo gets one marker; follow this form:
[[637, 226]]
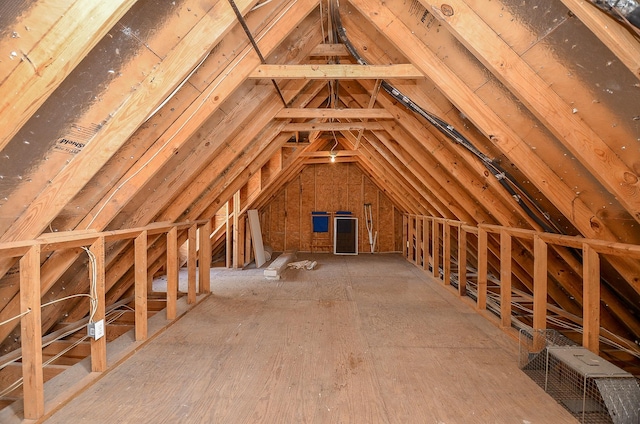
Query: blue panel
[[320, 222]]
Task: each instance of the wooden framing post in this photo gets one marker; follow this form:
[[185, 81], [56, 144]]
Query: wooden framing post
[[446, 252], [236, 230], [425, 243], [419, 241], [462, 261], [435, 248], [140, 266], [172, 273], [204, 258], [248, 248], [505, 279], [482, 268], [405, 236], [539, 283], [31, 334], [229, 236], [191, 264], [413, 248], [242, 236], [591, 299], [99, 347]]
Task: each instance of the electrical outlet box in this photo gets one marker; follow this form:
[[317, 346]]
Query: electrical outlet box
[[95, 330]]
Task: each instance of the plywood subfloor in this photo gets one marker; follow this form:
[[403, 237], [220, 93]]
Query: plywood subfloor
[[366, 339]]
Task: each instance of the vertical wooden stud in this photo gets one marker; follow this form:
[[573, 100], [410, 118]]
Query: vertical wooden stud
[[405, 236], [505, 279], [236, 230], [419, 241], [204, 259], [591, 299], [172, 273], [242, 236], [412, 238], [99, 347], [446, 253], [435, 248], [539, 283], [191, 264], [229, 239], [247, 242], [462, 261], [425, 243], [141, 278], [31, 334], [482, 268]]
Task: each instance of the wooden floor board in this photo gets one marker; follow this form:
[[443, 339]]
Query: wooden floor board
[[366, 339]]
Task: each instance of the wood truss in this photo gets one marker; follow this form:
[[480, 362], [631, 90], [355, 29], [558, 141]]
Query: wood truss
[[120, 116]]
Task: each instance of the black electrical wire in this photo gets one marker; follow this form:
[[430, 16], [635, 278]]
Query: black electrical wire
[[503, 177], [255, 46]]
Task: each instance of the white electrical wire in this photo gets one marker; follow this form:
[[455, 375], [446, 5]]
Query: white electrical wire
[[211, 90], [93, 275], [494, 300], [106, 202], [93, 286], [111, 317], [16, 317], [65, 298]]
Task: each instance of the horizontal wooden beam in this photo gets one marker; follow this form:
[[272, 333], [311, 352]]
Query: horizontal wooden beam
[[319, 161], [330, 50], [305, 113], [332, 126], [353, 72], [327, 154]]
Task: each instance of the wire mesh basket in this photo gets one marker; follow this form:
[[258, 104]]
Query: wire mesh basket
[[592, 389]]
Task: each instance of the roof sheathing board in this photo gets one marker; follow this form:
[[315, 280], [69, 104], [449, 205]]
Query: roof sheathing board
[[495, 95], [75, 112]]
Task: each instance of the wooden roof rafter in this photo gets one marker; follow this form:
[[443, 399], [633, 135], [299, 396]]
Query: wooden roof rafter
[[70, 30], [560, 118], [487, 121]]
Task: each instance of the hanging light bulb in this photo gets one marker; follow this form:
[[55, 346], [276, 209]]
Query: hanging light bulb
[[333, 157]]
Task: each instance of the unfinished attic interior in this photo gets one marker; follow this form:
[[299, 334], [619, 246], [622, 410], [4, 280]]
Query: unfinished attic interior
[[483, 153]]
